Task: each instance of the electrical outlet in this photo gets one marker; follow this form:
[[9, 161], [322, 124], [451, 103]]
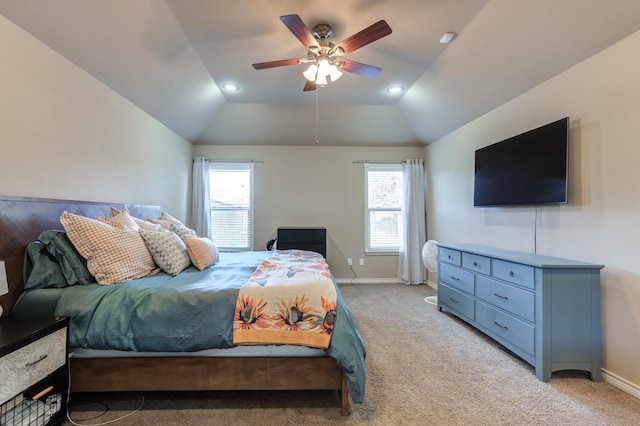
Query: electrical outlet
[[361, 262], [349, 261]]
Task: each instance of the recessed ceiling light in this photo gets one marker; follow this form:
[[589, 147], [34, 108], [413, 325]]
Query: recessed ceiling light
[[447, 37], [394, 90], [231, 87]]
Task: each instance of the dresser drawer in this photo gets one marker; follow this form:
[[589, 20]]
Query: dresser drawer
[[457, 278], [476, 263], [511, 329], [450, 256], [511, 299], [31, 363], [457, 302], [513, 272]]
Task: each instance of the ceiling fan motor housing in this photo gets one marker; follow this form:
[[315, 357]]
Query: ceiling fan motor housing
[[322, 31]]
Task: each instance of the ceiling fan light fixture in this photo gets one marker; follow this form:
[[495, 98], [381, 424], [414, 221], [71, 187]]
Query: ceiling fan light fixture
[[334, 72], [323, 67], [311, 72], [323, 71], [321, 80]]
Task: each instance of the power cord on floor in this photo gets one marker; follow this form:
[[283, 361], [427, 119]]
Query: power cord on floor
[[109, 421], [102, 403], [354, 274]]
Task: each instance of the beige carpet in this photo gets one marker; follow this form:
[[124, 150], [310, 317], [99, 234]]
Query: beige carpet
[[424, 367]]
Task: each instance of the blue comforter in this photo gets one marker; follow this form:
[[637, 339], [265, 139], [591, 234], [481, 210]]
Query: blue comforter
[[189, 312]]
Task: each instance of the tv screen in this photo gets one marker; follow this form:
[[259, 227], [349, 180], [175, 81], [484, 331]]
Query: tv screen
[[527, 169]]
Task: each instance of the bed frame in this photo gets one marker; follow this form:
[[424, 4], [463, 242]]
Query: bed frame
[[23, 219]]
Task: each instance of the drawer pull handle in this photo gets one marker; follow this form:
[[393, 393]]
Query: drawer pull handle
[[42, 393], [501, 296], [31, 364], [511, 274], [449, 257], [455, 278], [504, 327], [475, 263], [454, 300]]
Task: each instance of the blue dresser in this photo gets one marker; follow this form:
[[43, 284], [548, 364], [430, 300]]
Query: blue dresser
[[544, 309]]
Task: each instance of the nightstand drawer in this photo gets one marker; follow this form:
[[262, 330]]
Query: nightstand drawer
[[31, 363]]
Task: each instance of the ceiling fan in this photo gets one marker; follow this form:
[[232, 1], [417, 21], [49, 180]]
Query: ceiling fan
[[326, 60]]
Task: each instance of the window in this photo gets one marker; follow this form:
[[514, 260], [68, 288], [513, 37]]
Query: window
[[231, 189], [383, 198]]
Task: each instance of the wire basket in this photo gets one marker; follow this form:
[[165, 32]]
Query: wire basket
[[21, 411]]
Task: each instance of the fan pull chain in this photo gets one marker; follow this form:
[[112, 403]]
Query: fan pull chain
[[317, 90]]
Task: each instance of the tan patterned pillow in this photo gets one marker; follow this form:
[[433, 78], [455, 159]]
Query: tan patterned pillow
[[202, 251], [113, 255], [142, 224], [167, 216], [121, 220], [148, 226], [164, 223]]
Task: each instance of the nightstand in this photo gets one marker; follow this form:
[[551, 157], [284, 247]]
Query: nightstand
[[34, 368]]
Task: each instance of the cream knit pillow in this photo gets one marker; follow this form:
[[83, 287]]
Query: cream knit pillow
[[202, 251]]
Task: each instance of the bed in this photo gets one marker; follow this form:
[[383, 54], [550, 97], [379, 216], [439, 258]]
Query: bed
[[97, 367]]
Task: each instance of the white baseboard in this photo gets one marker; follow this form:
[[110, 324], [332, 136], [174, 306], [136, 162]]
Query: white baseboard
[[621, 383], [377, 281], [366, 280]]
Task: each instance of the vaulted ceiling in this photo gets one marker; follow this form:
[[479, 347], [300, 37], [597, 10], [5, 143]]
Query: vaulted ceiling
[[171, 58]]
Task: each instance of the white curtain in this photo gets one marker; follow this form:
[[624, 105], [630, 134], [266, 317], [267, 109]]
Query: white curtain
[[410, 267], [201, 198]]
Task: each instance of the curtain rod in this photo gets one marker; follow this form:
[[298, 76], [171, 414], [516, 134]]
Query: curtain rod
[[378, 162], [213, 160]]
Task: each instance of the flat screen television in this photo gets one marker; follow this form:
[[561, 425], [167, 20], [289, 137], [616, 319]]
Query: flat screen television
[[528, 169]]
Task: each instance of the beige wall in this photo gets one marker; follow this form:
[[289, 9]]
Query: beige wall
[[63, 134], [316, 186], [600, 223]]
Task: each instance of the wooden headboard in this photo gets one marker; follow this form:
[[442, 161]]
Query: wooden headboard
[[22, 219]]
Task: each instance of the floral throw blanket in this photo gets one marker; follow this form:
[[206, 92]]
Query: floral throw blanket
[[290, 299]]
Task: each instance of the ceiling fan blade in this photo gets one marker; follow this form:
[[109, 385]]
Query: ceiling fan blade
[[308, 86], [364, 70], [273, 64], [368, 35], [300, 30]]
